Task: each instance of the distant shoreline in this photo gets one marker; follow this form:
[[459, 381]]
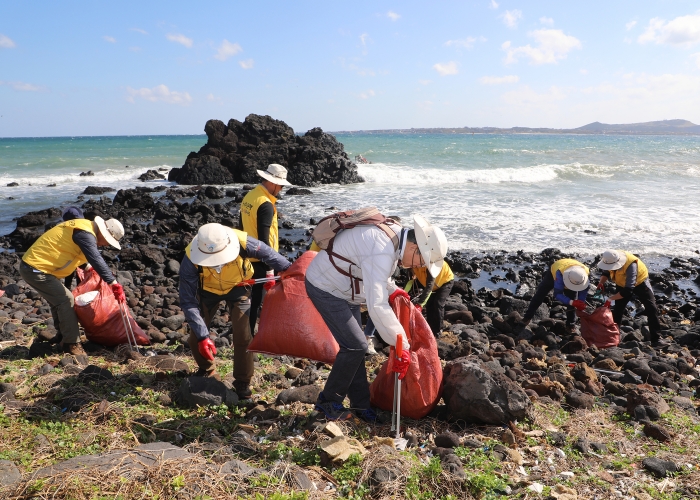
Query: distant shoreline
[[462, 131]]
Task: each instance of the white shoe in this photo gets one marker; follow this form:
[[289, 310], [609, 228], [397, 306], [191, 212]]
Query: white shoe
[[370, 346]]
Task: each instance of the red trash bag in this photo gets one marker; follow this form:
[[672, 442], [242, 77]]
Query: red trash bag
[[289, 322], [599, 328], [101, 318], [421, 388]]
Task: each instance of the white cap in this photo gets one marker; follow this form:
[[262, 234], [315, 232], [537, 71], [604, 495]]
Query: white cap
[[575, 278], [432, 244], [214, 245], [276, 174], [111, 230], [612, 260]]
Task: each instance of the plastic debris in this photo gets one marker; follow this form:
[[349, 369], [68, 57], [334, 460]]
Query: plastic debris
[[536, 487]]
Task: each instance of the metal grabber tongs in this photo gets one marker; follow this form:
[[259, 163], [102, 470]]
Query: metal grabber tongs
[[130, 337], [396, 407]]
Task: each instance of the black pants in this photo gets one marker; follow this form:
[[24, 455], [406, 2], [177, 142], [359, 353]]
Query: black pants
[[645, 295], [435, 308], [257, 294], [546, 286]]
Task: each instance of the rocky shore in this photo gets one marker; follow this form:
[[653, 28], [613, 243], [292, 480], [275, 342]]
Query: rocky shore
[[525, 413]]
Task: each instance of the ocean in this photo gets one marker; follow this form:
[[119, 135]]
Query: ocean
[[488, 192]]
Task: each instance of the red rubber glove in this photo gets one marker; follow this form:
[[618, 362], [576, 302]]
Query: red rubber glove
[[400, 365], [579, 304], [398, 293], [207, 349], [607, 304], [601, 286], [118, 292], [420, 309], [269, 284]]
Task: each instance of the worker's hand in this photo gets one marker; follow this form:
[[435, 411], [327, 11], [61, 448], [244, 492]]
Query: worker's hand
[[607, 304], [419, 308], [118, 292], [601, 283], [207, 349], [269, 284], [579, 304], [400, 365], [397, 293]]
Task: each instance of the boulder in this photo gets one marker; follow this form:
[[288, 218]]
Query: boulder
[[643, 397], [205, 391], [151, 175], [476, 392], [658, 467], [97, 190], [307, 394]]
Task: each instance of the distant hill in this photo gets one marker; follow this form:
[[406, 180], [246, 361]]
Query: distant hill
[[663, 127]]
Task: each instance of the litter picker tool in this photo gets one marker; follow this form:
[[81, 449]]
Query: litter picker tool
[[258, 281], [130, 337], [396, 408]]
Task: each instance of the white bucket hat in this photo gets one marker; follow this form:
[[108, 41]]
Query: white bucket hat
[[432, 244], [612, 260], [111, 230], [214, 245], [276, 174], [575, 278]]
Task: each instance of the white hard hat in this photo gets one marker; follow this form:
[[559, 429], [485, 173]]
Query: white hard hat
[[612, 260], [575, 278], [111, 230], [214, 245], [276, 174], [432, 244]]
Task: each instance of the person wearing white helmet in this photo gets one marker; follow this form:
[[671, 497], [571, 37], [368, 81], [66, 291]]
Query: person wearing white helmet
[[215, 265], [631, 276], [569, 280], [370, 255], [56, 254]]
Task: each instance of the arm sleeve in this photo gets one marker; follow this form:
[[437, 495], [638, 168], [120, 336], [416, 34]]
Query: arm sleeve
[[88, 245], [259, 250], [630, 281], [429, 283], [559, 288], [189, 283], [265, 213]]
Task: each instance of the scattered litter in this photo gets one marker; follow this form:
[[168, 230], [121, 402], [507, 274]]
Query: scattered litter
[[536, 487], [332, 429], [559, 452], [340, 448], [521, 470], [400, 443], [567, 474]]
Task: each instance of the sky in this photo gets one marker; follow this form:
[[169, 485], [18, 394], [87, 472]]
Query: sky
[[138, 68]]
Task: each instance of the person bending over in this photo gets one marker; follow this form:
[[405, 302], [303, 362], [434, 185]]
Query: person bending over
[[435, 292]]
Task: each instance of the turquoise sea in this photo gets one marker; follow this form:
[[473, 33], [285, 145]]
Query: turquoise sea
[[488, 192]]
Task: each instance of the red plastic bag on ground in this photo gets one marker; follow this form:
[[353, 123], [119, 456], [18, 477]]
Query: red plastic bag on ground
[[101, 318], [599, 328], [422, 387], [289, 322]]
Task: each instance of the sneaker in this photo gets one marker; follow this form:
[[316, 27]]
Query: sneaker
[[243, 390], [370, 346], [74, 349], [371, 416], [332, 409]]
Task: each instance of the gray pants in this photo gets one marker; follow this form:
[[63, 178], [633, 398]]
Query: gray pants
[[348, 376], [59, 298]]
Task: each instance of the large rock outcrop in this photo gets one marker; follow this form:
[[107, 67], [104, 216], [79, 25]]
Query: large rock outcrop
[[235, 151]]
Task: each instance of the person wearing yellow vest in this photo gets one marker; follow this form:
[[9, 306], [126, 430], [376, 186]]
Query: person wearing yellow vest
[[435, 291], [631, 276], [216, 262], [569, 280], [259, 219], [56, 254]]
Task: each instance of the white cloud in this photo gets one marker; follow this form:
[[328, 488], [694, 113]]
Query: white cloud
[[226, 50], [683, 31], [425, 82], [630, 25], [393, 15], [465, 43], [547, 20], [552, 46], [6, 42], [109, 39], [247, 64], [511, 18], [448, 68], [493, 4], [696, 57], [23, 86], [159, 93], [179, 38], [498, 80], [364, 38], [367, 94], [583, 71], [139, 30]]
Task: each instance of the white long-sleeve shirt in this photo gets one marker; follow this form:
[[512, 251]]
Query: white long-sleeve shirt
[[374, 261]]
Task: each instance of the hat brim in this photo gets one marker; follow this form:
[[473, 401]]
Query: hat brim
[[102, 227], [419, 226], [273, 179], [621, 259], [576, 287], [225, 256]]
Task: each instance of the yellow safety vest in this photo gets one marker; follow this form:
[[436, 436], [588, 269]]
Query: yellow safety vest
[[619, 276], [249, 215], [445, 275], [55, 252], [232, 273], [563, 264]]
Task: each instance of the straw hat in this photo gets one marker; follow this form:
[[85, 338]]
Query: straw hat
[[612, 260], [111, 230], [432, 244], [575, 278], [214, 245], [276, 174]]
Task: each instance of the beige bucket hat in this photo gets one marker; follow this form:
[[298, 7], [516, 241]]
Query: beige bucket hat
[[612, 260], [432, 244], [214, 245], [276, 174], [111, 230], [575, 278]]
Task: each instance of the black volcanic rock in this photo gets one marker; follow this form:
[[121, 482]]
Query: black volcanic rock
[[234, 152]]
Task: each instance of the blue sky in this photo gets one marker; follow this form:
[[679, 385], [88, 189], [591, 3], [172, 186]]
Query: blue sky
[[113, 68]]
